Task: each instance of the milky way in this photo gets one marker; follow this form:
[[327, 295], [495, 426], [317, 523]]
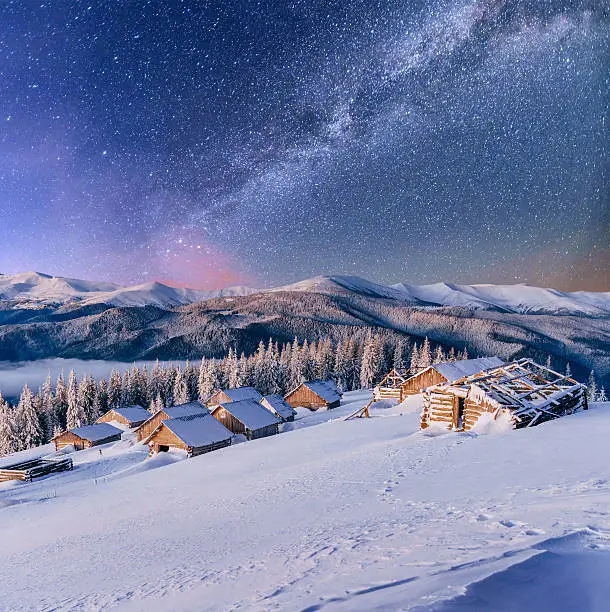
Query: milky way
[[215, 143]]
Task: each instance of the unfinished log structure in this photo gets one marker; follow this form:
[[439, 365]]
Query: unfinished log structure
[[448, 371], [525, 391], [130, 416], [389, 386], [315, 394], [195, 434], [174, 412], [34, 468]]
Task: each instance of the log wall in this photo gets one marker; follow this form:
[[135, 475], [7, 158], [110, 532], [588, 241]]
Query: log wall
[[229, 421], [304, 397], [420, 381]]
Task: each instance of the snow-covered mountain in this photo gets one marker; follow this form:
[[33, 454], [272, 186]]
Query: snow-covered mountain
[[33, 289]]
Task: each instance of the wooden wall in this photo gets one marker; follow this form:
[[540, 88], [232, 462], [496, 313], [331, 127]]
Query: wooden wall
[[228, 420], [67, 438], [263, 432], [304, 397], [111, 415], [220, 397], [149, 426], [415, 384]]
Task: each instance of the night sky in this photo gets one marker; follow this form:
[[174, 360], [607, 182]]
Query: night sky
[[262, 142]]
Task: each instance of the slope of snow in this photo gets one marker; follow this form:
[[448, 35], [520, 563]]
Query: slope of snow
[[366, 514]]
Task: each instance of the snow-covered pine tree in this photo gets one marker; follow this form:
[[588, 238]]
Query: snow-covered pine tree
[[548, 361], [425, 355], [371, 361], [568, 370], [398, 357], [295, 366], [29, 432], [100, 402], [181, 392], [231, 366], [87, 390], [208, 381], [75, 416], [592, 387], [601, 396], [414, 368], [451, 354], [60, 402], [114, 390], [49, 421], [439, 355], [8, 440]]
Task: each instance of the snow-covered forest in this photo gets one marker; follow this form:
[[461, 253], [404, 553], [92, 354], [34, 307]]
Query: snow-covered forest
[[352, 364]]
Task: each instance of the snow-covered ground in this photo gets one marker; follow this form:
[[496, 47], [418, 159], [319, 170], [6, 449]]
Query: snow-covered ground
[[367, 514]]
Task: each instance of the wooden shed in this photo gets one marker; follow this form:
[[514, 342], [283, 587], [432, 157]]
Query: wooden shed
[[196, 434], [174, 412], [315, 394], [87, 436], [389, 386], [131, 416], [224, 396], [279, 406], [247, 417], [448, 371], [526, 392]]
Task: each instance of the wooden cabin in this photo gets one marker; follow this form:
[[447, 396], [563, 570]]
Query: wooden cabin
[[279, 406], [174, 412], [131, 416], [445, 372], [196, 434], [315, 394], [224, 396], [247, 417], [523, 390], [87, 436], [389, 386]]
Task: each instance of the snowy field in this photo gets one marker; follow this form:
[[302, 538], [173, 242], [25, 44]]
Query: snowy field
[[360, 515]]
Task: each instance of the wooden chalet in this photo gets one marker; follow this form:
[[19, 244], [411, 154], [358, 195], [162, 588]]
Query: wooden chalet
[[389, 386], [87, 436], [224, 396], [196, 434], [174, 412], [279, 406], [528, 392], [315, 394], [446, 372], [131, 416], [247, 417]]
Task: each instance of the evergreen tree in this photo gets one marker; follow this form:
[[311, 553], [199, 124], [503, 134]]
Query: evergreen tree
[[47, 409], [601, 396], [26, 420], [398, 362], [592, 387], [414, 368], [181, 392], [8, 439], [371, 361], [425, 355], [568, 370], [451, 354], [295, 366], [439, 356], [208, 381], [87, 390], [114, 390], [548, 362], [75, 416], [100, 402], [60, 402]]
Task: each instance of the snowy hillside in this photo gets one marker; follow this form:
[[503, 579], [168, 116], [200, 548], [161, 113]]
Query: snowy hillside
[[32, 289], [335, 515]]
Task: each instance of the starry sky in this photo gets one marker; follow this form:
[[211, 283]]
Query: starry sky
[[261, 142]]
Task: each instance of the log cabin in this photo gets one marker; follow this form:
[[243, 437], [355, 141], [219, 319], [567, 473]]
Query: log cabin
[[446, 372], [196, 434], [131, 416], [224, 396], [525, 392], [315, 394], [247, 417], [173, 412], [279, 406], [87, 436], [389, 386]]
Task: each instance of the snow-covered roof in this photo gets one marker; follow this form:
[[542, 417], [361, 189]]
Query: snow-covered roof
[[96, 432], [251, 414], [279, 405], [182, 410], [454, 370], [198, 430], [134, 413], [243, 393], [326, 389]]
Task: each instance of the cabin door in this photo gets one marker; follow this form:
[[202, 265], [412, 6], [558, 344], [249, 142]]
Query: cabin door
[[458, 413]]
